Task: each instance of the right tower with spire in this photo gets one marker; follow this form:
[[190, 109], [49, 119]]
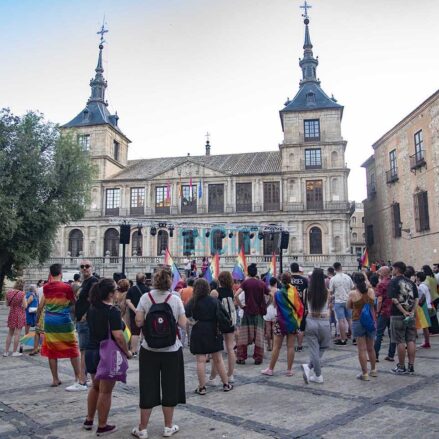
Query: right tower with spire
[[313, 160]]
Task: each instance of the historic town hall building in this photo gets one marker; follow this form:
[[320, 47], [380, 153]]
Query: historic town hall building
[[198, 205]]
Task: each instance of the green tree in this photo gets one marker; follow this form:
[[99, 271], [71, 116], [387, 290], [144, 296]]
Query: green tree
[[45, 180]]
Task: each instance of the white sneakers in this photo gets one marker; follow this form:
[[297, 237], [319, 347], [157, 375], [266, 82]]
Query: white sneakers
[[141, 434], [76, 387], [211, 382], [309, 375], [16, 354], [169, 431]]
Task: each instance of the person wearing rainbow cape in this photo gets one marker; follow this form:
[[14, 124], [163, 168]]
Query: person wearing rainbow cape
[[289, 316]]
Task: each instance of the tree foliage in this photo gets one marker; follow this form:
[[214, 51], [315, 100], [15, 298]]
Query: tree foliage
[[45, 180]]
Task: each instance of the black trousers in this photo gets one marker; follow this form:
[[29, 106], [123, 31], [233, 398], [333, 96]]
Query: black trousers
[[161, 378]]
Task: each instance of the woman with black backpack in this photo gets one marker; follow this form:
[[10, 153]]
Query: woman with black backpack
[[161, 366], [361, 301], [206, 337]]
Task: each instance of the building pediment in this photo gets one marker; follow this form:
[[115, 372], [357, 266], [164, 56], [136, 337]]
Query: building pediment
[[188, 169]]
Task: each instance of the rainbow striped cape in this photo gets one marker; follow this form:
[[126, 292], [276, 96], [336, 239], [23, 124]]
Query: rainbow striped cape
[[422, 317], [176, 277], [289, 309]]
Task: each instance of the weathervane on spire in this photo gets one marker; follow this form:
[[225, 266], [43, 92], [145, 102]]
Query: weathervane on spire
[[104, 31], [305, 7], [207, 135]]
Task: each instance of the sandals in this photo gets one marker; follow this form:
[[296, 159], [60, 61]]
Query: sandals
[[200, 390], [227, 387]]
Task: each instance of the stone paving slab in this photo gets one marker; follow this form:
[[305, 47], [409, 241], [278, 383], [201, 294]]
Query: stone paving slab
[[259, 406]]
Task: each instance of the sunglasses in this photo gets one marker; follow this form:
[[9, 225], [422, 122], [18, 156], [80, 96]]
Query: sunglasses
[[84, 266]]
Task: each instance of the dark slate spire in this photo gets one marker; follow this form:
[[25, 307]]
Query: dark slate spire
[[308, 63], [96, 111]]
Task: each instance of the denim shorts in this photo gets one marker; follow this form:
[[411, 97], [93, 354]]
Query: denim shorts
[[342, 312], [83, 335], [358, 330]]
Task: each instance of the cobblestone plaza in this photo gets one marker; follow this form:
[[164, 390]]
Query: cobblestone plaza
[[258, 407]]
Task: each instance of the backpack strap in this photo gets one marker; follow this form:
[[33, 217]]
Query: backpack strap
[[167, 298], [151, 298]]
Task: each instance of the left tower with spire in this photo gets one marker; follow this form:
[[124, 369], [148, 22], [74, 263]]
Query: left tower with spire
[[96, 129]]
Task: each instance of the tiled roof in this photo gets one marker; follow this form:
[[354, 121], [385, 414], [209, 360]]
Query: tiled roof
[[230, 164]]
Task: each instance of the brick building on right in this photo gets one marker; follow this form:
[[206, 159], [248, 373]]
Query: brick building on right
[[401, 211]]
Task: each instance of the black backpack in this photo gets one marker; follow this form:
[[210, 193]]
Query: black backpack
[[160, 327]]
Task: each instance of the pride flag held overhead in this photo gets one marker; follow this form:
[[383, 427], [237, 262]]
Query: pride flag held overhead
[[176, 277], [240, 269], [365, 259], [271, 269], [212, 271]]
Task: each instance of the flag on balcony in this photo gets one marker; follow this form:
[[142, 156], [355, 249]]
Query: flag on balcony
[[240, 269], [200, 190], [212, 271], [365, 259], [271, 269], [176, 277]]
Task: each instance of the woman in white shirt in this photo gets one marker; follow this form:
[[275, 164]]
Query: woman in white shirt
[[424, 296], [161, 370]]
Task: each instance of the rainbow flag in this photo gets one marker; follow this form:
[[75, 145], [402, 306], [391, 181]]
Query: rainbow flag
[[240, 269], [289, 309], [365, 259], [271, 269], [176, 277], [422, 317], [212, 271]]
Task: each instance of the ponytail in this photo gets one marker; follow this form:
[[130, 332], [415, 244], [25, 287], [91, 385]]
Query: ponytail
[[101, 290]]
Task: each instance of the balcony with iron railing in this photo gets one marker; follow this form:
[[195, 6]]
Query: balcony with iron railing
[[392, 175], [417, 160]]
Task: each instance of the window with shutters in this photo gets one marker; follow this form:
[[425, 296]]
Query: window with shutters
[[396, 213], [137, 200], [311, 130], [314, 195], [315, 241], [216, 198], [111, 242], [162, 242], [243, 197], [162, 199], [76, 240], [112, 201], [136, 243], [422, 220], [271, 195]]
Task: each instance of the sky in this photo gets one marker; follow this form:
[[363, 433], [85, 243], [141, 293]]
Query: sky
[[177, 69]]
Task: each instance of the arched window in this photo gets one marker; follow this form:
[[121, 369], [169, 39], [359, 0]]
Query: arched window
[[111, 242], [76, 242], [162, 242], [136, 243], [216, 243], [188, 242], [244, 241], [315, 241], [271, 243]]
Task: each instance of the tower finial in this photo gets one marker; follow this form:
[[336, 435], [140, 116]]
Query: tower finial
[[305, 8], [207, 143], [103, 31]]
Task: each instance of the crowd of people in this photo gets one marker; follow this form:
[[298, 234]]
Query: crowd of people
[[87, 321]]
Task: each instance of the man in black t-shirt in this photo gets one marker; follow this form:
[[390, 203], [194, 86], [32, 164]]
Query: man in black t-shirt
[[404, 295], [81, 307], [301, 284], [132, 299]]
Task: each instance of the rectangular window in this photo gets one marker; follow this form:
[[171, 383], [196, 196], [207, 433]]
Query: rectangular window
[[313, 158], [392, 160], [112, 201], [314, 195], [371, 187], [271, 195], [162, 200], [216, 198], [419, 146], [84, 141], [116, 150], [189, 199], [369, 235], [422, 220], [137, 200], [243, 197], [396, 213], [311, 129]]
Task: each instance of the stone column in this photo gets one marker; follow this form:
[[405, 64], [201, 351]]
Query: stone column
[[330, 239]]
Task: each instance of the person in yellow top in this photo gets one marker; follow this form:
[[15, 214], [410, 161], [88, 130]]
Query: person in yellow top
[[432, 284]]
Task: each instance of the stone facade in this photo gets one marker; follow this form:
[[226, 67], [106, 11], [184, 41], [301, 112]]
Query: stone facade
[[401, 209], [358, 236]]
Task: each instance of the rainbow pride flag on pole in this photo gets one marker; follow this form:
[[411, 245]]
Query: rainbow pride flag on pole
[[365, 259], [289, 309], [176, 277], [212, 271], [422, 317], [240, 269], [271, 269]]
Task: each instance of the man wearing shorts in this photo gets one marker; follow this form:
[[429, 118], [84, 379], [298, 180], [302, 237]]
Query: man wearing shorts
[[339, 287], [81, 308], [133, 298], [404, 295]]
